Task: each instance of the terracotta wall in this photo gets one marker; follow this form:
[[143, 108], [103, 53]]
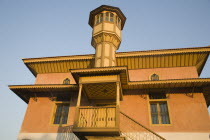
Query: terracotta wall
[[54, 78], [164, 73], [187, 114]]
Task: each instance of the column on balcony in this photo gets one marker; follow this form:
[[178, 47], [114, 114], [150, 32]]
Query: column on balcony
[[76, 119], [79, 95], [118, 94]]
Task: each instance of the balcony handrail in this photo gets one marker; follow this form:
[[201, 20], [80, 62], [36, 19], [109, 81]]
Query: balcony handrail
[[91, 107], [142, 126], [97, 117]]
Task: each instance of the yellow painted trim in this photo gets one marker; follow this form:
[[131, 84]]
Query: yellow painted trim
[[52, 116], [175, 83], [165, 52], [110, 70], [98, 79], [169, 112], [157, 100], [35, 64], [107, 32], [58, 58], [98, 69], [201, 80], [122, 54], [42, 86]]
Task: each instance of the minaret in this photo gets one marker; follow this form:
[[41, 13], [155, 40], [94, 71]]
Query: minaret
[[107, 23]]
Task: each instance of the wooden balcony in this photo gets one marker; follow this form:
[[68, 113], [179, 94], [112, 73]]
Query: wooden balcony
[[97, 121]]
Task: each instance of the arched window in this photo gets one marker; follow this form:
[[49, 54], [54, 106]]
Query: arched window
[[154, 77], [66, 81]]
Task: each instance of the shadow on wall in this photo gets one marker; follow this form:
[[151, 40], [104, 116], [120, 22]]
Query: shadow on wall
[[65, 133]]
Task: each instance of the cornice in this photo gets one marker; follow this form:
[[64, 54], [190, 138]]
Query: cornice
[[172, 81], [122, 54], [59, 58], [164, 52], [42, 86]]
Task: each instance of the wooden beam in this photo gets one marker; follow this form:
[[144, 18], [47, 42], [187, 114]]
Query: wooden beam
[[79, 95], [118, 93]]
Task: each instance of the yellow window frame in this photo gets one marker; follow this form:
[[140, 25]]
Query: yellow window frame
[[56, 103], [158, 109]]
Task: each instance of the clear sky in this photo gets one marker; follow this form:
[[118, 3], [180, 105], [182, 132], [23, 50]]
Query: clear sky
[[39, 28]]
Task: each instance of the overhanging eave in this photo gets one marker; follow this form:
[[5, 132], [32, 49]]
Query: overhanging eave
[[172, 83], [27, 91]]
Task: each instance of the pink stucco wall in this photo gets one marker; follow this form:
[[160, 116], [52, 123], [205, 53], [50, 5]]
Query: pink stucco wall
[[134, 75], [187, 114], [54, 78], [39, 114], [164, 73]]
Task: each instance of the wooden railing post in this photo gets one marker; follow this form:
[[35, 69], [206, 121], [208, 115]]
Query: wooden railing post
[[117, 113], [76, 119]]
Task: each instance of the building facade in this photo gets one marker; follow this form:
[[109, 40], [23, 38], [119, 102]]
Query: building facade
[[142, 95]]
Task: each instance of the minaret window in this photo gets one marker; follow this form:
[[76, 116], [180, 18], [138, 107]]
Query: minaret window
[[154, 77], [118, 22], [109, 16], [66, 81], [98, 18]]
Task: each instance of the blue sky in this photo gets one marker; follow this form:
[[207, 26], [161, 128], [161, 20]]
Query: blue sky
[[37, 28]]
